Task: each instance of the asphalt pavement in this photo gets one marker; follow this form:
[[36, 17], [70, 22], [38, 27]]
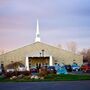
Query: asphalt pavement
[[61, 85], [79, 73]]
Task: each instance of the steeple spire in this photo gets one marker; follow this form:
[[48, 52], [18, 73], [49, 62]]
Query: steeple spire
[[37, 39]]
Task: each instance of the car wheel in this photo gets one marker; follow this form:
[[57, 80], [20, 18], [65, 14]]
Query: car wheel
[[76, 69], [85, 71]]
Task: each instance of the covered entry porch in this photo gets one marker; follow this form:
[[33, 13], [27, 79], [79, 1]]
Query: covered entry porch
[[34, 61]]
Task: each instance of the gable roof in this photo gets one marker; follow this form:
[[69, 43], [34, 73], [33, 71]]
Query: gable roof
[[38, 45]]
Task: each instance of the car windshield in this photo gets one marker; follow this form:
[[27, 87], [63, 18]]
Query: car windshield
[[33, 67], [51, 67]]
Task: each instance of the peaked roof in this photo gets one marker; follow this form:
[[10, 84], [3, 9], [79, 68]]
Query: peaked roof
[[39, 46]]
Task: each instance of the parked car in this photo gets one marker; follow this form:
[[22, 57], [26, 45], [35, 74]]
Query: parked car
[[75, 67], [85, 67], [0, 70], [10, 70], [33, 70], [51, 69], [21, 68], [68, 68]]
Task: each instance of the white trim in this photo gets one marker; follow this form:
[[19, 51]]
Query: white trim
[[51, 61]]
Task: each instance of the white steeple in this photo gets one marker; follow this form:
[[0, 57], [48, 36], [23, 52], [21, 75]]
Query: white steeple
[[37, 39]]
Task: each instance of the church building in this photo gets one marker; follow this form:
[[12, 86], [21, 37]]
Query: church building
[[39, 53]]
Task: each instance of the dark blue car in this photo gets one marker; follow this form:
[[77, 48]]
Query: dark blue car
[[51, 69]]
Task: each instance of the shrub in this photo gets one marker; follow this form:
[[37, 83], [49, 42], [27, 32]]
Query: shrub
[[43, 72], [16, 73], [26, 77]]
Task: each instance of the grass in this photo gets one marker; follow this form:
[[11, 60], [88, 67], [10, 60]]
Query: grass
[[51, 77], [68, 77]]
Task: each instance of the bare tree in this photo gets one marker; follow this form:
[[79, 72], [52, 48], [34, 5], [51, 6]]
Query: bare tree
[[84, 52], [86, 55], [72, 46]]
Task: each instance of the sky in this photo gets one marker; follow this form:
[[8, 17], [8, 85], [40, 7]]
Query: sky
[[61, 21]]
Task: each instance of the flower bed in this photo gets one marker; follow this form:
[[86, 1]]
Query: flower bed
[[49, 77]]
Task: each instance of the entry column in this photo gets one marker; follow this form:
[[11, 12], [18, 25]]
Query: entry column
[[51, 61], [27, 64]]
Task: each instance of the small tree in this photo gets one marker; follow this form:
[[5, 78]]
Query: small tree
[[14, 65], [86, 55]]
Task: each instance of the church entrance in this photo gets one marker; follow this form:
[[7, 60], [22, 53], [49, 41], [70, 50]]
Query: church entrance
[[38, 61]]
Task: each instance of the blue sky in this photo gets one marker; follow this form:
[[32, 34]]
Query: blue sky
[[61, 21]]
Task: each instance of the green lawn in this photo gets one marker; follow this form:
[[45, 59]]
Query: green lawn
[[67, 77], [50, 77]]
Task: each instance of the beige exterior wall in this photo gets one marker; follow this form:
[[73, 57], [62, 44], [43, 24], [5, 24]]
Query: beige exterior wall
[[59, 55]]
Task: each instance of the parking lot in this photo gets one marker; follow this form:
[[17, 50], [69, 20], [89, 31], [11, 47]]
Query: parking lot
[[79, 72]]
